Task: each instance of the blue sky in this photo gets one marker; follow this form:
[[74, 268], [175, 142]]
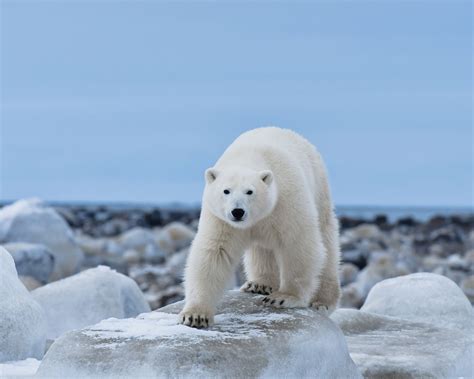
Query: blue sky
[[132, 101]]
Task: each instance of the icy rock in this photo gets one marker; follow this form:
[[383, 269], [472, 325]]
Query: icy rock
[[14, 369], [32, 221], [87, 298], [247, 341], [22, 320], [388, 347], [415, 326], [422, 297], [32, 260]]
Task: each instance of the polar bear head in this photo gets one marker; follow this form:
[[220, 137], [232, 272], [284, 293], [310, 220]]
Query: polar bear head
[[240, 196]]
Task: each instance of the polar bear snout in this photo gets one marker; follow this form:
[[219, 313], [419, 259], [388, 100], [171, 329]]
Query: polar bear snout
[[237, 214]]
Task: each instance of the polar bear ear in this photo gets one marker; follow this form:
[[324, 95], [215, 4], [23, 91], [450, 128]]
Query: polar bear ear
[[266, 176], [210, 175]]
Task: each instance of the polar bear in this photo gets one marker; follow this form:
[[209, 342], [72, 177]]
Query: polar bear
[[266, 198]]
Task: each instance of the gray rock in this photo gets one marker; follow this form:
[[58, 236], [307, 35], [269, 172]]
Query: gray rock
[[415, 326], [22, 320], [87, 298], [32, 221], [32, 260], [247, 341]]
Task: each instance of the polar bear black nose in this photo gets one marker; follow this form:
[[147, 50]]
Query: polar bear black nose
[[238, 213]]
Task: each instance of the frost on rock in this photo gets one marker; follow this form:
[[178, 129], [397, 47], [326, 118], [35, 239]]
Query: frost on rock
[[414, 326], [22, 321], [31, 221], [87, 298], [248, 340]]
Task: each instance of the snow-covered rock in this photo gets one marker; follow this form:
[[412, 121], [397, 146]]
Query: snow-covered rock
[[25, 368], [87, 298], [415, 326], [22, 320], [32, 221], [247, 341], [422, 297], [32, 260]]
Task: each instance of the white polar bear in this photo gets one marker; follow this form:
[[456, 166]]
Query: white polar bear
[[267, 196]]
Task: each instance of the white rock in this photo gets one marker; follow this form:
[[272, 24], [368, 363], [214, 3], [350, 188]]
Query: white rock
[[415, 326], [174, 236], [380, 267], [87, 298], [31, 221], [422, 297], [351, 297], [90, 245], [247, 341], [32, 260], [388, 347], [136, 238], [363, 232], [22, 320], [24, 368], [131, 256]]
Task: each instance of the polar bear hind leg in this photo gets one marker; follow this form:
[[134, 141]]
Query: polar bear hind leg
[[329, 291]]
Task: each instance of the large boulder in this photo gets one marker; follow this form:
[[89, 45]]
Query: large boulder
[[414, 326], [32, 260], [422, 297], [32, 221], [22, 320], [247, 341], [87, 298]]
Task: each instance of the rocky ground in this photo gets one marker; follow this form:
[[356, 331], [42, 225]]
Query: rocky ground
[[150, 245], [67, 268]]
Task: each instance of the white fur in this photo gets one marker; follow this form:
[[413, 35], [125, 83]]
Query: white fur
[[289, 233]]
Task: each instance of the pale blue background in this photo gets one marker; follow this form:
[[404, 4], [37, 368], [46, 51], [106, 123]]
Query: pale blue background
[[131, 101]]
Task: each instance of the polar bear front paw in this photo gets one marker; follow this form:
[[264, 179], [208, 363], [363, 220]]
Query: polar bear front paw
[[254, 287], [281, 300], [196, 318]]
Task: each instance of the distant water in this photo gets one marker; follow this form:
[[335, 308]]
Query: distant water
[[395, 213]]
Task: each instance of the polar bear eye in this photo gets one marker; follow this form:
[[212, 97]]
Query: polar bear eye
[[249, 192], [226, 191]]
